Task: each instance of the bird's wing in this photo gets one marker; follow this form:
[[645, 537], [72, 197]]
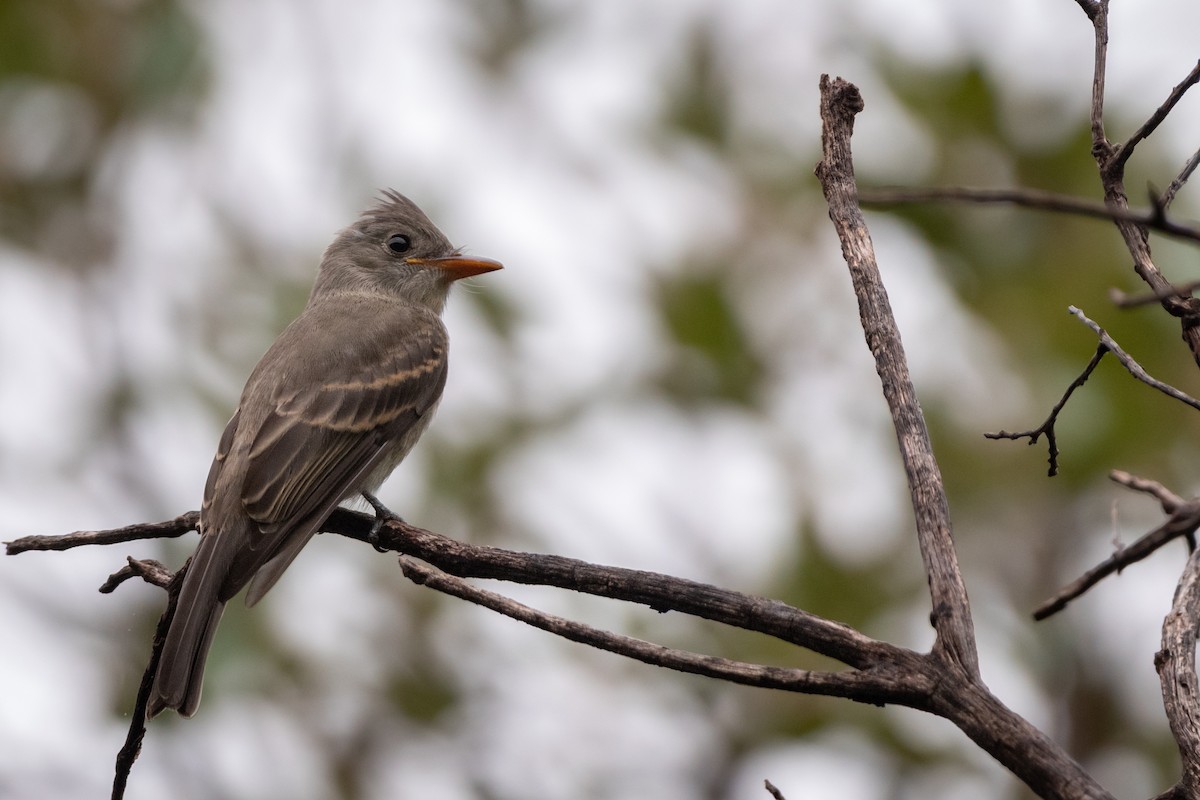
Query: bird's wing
[[325, 433]]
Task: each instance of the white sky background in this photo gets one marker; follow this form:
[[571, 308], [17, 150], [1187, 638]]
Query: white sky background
[[548, 173]]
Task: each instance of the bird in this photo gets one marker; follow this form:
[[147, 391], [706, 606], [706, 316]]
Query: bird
[[333, 406]]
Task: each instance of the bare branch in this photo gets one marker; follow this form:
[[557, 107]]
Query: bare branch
[[774, 791], [150, 571], [951, 616], [1183, 522], [178, 526], [880, 672], [1047, 427], [1189, 167], [1155, 219], [1135, 369], [132, 747], [1112, 175], [1122, 300], [1122, 154], [1169, 500], [875, 687], [1107, 345], [961, 697], [656, 590], [1176, 664], [1097, 12]]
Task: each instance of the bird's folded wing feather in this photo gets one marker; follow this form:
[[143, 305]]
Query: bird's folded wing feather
[[322, 437]]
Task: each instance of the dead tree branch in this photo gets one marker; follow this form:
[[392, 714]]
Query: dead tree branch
[[149, 570], [884, 683], [1124, 151], [184, 523], [951, 616], [1155, 218], [1111, 160], [1169, 500], [879, 673], [1176, 664], [1047, 427], [1189, 167], [1183, 522], [962, 698], [1107, 345], [1122, 300], [1132, 366]]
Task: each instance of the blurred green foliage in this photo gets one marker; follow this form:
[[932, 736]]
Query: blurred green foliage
[[712, 358], [73, 76]]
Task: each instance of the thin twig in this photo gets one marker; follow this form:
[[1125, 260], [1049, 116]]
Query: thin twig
[[1033, 198], [1122, 300], [132, 747], [1121, 156], [1184, 519], [1169, 501], [1182, 523], [149, 570], [1134, 368], [1189, 167], [774, 792], [1047, 427], [178, 526]]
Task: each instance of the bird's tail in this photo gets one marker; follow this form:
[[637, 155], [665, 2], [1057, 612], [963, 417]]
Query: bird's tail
[[180, 675]]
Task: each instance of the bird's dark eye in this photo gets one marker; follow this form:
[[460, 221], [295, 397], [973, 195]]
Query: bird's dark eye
[[398, 243]]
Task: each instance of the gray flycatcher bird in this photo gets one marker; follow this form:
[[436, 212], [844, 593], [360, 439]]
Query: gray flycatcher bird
[[333, 406]]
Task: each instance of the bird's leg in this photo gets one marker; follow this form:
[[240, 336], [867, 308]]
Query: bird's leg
[[382, 515]]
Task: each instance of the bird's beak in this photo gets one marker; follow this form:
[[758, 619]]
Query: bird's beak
[[458, 267]]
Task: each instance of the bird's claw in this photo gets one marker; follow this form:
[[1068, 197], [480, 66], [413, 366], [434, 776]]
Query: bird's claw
[[382, 515]]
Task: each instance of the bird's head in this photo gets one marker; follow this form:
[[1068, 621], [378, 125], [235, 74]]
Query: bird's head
[[394, 249]]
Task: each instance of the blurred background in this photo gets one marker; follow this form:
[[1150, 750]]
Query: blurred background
[[668, 375]]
